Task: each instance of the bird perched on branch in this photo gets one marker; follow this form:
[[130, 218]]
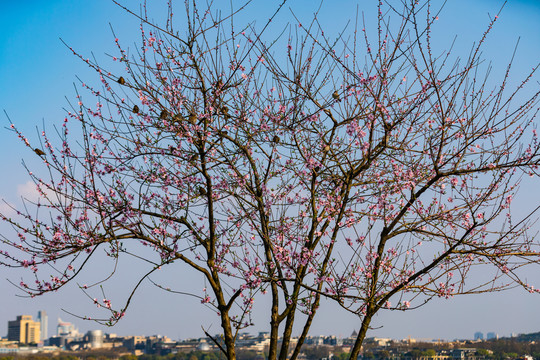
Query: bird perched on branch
[[121, 80], [136, 109], [335, 95], [178, 118], [39, 151]]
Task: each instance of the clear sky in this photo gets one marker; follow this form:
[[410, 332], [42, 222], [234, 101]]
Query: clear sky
[[37, 73]]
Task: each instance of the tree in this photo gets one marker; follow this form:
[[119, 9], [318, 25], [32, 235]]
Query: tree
[[316, 352], [383, 354], [429, 353], [301, 166]]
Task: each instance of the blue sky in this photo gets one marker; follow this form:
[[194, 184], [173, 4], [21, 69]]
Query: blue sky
[[37, 73]]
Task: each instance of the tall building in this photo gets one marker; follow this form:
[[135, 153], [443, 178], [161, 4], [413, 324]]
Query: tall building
[[478, 335], [44, 324], [66, 329], [24, 330], [492, 335]]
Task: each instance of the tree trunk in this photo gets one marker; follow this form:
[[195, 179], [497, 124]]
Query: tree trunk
[[361, 336]]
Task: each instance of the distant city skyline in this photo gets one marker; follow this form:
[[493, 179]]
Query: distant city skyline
[[38, 71], [111, 346], [69, 329]]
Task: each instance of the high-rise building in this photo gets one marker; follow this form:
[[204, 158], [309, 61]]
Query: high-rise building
[[66, 329], [24, 330], [478, 335], [44, 323], [492, 335]]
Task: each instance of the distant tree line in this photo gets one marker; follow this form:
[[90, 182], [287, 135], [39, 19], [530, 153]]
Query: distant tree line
[[508, 348], [501, 349]]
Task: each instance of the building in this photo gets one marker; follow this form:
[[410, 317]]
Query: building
[[66, 329], [492, 336], [203, 346], [24, 330], [332, 340], [95, 339], [44, 324], [134, 343], [478, 335]]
